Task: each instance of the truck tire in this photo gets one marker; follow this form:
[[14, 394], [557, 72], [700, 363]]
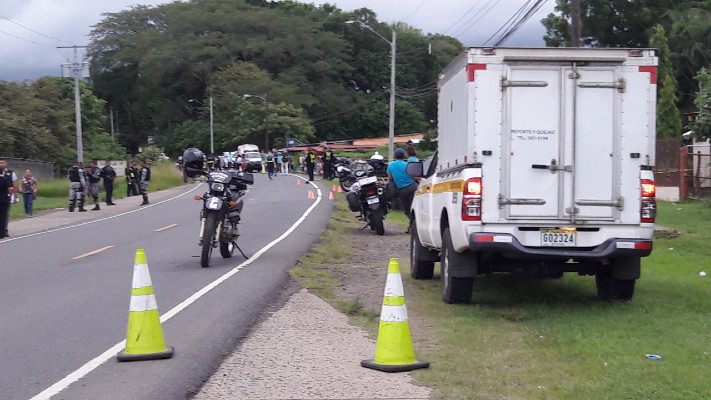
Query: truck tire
[[422, 260], [454, 290], [609, 287]]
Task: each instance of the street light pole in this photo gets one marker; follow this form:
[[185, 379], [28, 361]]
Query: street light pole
[[266, 110], [212, 133], [393, 52]]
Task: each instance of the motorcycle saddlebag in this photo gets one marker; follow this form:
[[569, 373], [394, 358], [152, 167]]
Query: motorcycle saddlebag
[[353, 202], [234, 212]]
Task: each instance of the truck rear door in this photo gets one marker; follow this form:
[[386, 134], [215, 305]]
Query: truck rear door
[[559, 134]]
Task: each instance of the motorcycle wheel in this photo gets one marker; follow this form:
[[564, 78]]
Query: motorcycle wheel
[[377, 217], [210, 228]]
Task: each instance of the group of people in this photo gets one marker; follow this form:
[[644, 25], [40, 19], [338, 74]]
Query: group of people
[[276, 161], [85, 182], [10, 191], [327, 159]]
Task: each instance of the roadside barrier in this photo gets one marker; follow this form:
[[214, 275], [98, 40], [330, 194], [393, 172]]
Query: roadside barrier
[[144, 335], [394, 351]]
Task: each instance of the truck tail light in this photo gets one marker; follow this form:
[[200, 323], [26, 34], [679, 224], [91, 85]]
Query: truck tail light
[[471, 200], [648, 210]]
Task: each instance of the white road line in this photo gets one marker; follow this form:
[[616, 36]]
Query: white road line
[[166, 227], [100, 219], [91, 253], [108, 354]]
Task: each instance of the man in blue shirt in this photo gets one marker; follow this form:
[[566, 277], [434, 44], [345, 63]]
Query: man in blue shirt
[[406, 185]]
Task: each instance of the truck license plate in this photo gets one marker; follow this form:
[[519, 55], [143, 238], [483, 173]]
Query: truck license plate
[[558, 238], [373, 200]]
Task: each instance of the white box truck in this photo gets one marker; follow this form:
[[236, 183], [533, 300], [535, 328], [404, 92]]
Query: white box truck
[[544, 166], [251, 157]]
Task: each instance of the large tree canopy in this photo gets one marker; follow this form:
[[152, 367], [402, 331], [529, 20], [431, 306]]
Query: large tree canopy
[[322, 78]]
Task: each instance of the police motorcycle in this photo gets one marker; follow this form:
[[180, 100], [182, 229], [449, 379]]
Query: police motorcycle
[[367, 196], [343, 172], [222, 206]]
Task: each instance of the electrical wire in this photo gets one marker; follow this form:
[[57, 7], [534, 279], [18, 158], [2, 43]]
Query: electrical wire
[[470, 23], [32, 30], [414, 11], [26, 40], [533, 10]]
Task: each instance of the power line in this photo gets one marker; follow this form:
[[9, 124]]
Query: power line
[[414, 11], [31, 30], [26, 40], [470, 23], [534, 9]]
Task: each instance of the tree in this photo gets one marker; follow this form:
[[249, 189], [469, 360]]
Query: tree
[[668, 116], [702, 126]]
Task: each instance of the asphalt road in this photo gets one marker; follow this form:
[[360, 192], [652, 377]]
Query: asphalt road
[[65, 290]]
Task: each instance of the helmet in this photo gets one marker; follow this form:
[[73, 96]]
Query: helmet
[[193, 159], [399, 154]]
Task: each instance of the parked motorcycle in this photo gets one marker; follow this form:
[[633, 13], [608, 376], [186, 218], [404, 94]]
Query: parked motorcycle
[[222, 207], [368, 197]]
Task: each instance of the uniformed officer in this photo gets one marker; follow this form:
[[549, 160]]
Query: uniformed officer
[[7, 189], [131, 180], [93, 175], [310, 161], [109, 175], [76, 187], [144, 180], [327, 160]]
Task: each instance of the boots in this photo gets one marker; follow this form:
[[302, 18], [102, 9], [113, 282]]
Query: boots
[[71, 206], [96, 207], [145, 200], [81, 205]]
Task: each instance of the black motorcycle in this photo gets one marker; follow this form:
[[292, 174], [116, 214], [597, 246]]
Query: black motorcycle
[[368, 197], [221, 213]]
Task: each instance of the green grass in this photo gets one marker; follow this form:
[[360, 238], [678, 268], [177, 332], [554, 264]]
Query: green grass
[[553, 339], [55, 193]]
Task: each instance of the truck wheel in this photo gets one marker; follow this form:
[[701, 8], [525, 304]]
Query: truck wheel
[[421, 259], [609, 287], [454, 290]]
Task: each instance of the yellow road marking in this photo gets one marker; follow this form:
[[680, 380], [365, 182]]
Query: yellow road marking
[[91, 253], [166, 227]]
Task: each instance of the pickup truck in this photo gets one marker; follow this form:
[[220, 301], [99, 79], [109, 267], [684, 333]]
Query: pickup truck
[[544, 166]]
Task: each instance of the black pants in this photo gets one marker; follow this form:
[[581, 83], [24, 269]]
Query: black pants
[[310, 171], [4, 218], [131, 189], [406, 194], [327, 170], [109, 188]]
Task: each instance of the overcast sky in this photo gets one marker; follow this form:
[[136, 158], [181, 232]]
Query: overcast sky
[[31, 30]]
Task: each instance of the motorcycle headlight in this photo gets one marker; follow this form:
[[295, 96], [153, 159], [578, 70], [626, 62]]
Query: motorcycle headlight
[[217, 187]]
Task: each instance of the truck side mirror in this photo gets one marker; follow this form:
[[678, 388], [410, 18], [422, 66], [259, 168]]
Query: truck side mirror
[[414, 169]]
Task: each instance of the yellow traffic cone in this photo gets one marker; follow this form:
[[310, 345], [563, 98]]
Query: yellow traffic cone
[[263, 170], [144, 335], [393, 351]]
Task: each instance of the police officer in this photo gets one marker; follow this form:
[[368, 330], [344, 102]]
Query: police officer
[[109, 175], [131, 180], [7, 189], [93, 175], [76, 187], [144, 180], [310, 161], [327, 159]]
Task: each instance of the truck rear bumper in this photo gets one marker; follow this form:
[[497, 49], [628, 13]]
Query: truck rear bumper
[[508, 245]]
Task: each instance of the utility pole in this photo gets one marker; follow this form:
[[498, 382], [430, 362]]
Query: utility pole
[[575, 23], [77, 69]]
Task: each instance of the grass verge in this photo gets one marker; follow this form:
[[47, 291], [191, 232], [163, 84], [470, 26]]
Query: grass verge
[[553, 339]]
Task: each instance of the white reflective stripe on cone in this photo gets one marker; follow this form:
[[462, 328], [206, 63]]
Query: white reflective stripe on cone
[[141, 276], [143, 303], [393, 286], [393, 313]]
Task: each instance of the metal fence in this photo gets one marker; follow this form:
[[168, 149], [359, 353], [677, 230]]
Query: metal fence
[[42, 170]]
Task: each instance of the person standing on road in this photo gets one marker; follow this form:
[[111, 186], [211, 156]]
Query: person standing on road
[[76, 186], [270, 164], [327, 160], [279, 163], [29, 191], [286, 162], [406, 185], [7, 191], [310, 161], [93, 175], [131, 180], [109, 175], [145, 180]]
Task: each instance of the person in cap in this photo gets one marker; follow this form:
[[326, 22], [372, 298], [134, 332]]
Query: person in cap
[[405, 184]]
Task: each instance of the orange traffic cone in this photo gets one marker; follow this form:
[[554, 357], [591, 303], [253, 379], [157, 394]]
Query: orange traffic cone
[[144, 335], [330, 195], [311, 195], [333, 189], [393, 351], [298, 182], [339, 190]]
